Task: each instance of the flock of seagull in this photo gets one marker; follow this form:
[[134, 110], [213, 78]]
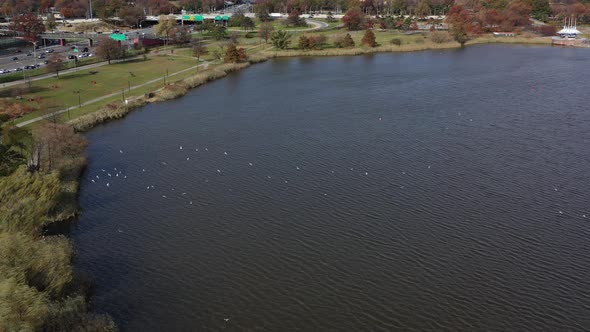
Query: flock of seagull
[[106, 177]]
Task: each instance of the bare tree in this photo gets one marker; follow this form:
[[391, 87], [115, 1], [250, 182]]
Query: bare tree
[[166, 25], [109, 49], [199, 50], [265, 31], [55, 63]]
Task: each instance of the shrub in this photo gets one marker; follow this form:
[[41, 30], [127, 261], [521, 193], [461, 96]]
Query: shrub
[[303, 42], [27, 199], [369, 38], [548, 30], [234, 54], [311, 42], [439, 37], [319, 40], [348, 41], [14, 109], [280, 39], [395, 41]]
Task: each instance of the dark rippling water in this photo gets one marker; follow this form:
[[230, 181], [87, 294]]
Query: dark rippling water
[[420, 191]]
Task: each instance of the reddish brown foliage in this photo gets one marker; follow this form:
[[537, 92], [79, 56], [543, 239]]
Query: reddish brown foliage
[[14, 110], [369, 39], [234, 54], [30, 24], [461, 25], [548, 30], [353, 19]]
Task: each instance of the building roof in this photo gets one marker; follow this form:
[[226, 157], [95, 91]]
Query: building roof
[[569, 31]]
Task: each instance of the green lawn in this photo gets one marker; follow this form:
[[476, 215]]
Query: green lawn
[[59, 93]]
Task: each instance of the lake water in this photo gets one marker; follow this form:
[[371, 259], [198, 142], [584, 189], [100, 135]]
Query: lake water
[[438, 191]]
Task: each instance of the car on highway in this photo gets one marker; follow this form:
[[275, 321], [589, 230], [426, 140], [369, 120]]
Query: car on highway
[[85, 49], [29, 54], [49, 50], [71, 57], [41, 56], [15, 58], [18, 69], [30, 67], [4, 71]]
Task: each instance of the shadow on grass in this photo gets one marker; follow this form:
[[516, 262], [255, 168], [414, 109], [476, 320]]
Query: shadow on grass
[[77, 74], [21, 90], [129, 61]]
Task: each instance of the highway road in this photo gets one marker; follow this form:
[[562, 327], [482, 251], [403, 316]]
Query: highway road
[[29, 57]]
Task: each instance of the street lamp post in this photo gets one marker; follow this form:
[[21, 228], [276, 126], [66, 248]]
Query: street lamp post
[[24, 72], [78, 92]]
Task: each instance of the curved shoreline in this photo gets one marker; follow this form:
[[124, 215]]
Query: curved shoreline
[[176, 89]]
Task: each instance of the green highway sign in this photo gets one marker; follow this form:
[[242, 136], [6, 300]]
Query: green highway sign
[[118, 36]]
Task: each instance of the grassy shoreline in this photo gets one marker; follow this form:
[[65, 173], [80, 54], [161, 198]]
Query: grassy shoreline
[[179, 88]]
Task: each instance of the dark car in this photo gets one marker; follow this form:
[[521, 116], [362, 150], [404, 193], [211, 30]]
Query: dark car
[[72, 57], [85, 49], [18, 51], [29, 54], [45, 62], [49, 50], [15, 58], [18, 69], [41, 56]]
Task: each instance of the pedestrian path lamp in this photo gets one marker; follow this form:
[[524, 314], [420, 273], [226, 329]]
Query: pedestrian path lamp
[[79, 101]]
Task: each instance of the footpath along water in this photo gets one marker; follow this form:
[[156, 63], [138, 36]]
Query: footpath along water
[[420, 191]]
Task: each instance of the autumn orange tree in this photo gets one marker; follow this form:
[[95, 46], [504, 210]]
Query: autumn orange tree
[[461, 26], [234, 54], [353, 19], [369, 38]]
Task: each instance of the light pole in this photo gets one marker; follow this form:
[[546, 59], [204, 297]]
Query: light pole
[[90, 1], [24, 73], [79, 99]]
